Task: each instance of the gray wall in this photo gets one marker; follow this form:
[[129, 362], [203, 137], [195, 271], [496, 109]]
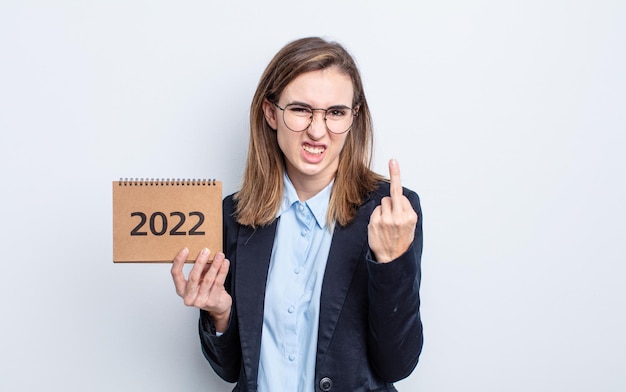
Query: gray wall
[[507, 117]]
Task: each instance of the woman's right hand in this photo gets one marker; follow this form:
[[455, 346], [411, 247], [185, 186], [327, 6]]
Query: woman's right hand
[[205, 287]]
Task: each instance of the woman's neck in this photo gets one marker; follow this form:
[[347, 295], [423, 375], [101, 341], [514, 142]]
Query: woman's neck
[[309, 186]]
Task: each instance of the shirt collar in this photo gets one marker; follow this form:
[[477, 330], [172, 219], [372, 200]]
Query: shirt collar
[[318, 204]]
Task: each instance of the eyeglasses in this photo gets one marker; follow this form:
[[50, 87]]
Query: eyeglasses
[[298, 117]]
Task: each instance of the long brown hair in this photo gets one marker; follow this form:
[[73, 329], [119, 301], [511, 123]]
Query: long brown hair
[[262, 188]]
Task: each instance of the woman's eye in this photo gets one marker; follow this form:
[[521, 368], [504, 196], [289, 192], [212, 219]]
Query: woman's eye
[[337, 112], [299, 110]]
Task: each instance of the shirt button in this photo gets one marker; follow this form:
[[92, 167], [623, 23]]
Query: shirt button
[[304, 232], [296, 270], [300, 207], [291, 309], [326, 384], [292, 357]]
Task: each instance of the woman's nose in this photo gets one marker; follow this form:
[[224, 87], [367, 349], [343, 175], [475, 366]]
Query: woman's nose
[[317, 129]]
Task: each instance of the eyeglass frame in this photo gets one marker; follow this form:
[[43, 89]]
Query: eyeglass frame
[[355, 113]]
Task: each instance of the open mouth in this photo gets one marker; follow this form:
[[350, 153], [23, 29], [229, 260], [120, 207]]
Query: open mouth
[[316, 150]]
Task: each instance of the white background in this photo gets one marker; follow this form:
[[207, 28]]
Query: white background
[[507, 117]]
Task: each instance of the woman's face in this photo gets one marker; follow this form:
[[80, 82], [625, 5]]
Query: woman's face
[[311, 156]]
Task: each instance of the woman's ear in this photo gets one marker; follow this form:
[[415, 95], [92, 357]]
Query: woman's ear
[[270, 114]]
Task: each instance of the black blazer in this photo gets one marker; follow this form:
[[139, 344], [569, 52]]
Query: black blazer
[[370, 332]]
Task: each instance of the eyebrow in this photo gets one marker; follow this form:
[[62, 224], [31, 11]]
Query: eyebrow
[[300, 103]]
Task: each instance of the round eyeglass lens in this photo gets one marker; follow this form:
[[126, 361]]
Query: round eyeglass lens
[[298, 118]]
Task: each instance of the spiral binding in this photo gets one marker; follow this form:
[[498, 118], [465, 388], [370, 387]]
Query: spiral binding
[[166, 181]]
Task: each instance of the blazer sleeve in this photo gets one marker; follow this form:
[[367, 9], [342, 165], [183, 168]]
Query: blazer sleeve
[[224, 352], [395, 335]]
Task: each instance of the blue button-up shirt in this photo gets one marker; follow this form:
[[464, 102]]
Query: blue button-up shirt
[[292, 296]]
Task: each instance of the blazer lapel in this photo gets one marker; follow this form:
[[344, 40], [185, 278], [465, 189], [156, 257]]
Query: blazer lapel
[[345, 253], [254, 249]]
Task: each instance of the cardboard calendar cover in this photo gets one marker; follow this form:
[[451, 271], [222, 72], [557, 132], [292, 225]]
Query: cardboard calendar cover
[[154, 219]]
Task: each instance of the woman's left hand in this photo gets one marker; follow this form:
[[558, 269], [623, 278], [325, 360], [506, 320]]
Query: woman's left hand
[[392, 224]]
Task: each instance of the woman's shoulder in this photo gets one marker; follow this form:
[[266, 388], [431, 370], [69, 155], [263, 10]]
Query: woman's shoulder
[[229, 209], [229, 203]]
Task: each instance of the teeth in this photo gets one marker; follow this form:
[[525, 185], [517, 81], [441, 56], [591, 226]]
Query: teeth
[[313, 150]]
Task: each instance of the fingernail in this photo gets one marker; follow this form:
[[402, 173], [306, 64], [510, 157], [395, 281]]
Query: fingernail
[[204, 252], [219, 256]]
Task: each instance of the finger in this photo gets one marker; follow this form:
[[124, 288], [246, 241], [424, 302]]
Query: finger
[[386, 209], [212, 286], [208, 280], [375, 217], [195, 275], [177, 271], [223, 272], [396, 185]]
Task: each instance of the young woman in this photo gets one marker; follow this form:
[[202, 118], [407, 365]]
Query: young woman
[[318, 285]]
